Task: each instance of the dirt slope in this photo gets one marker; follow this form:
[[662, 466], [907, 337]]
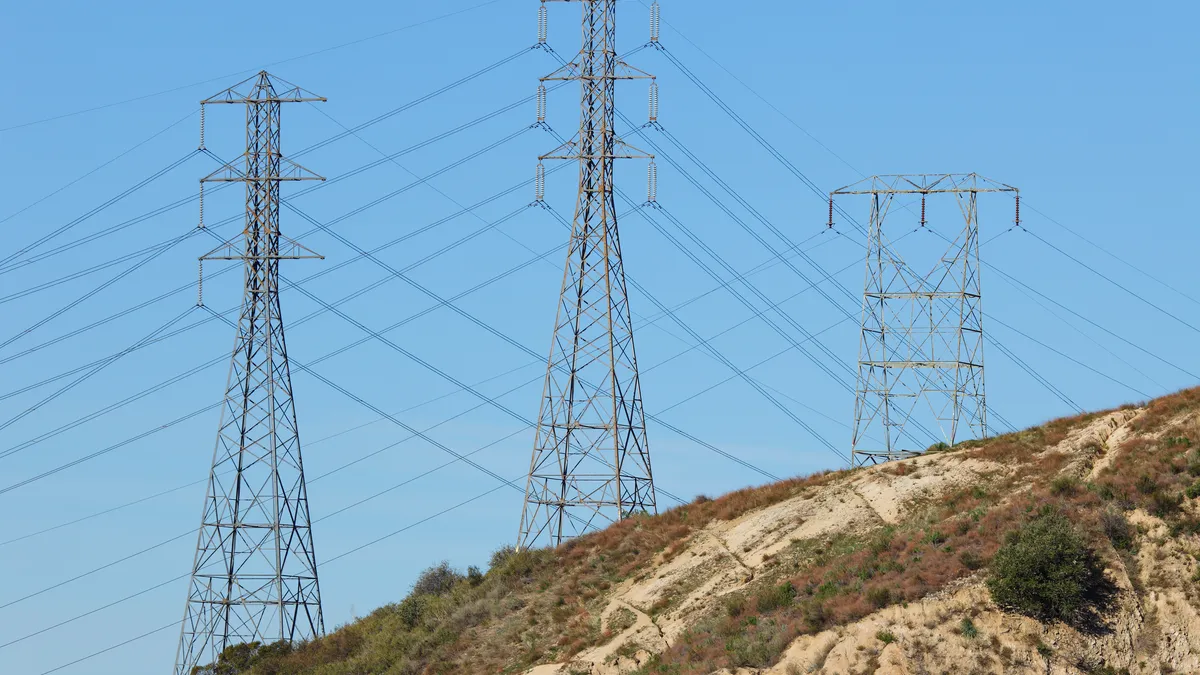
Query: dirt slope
[[878, 570]]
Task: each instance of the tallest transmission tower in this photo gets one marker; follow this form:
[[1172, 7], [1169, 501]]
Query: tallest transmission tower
[[591, 459], [254, 578]]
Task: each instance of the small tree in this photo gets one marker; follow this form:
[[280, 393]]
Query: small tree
[[1047, 571], [437, 580]]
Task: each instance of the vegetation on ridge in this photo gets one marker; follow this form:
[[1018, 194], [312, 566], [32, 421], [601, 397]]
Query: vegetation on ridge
[[1041, 518]]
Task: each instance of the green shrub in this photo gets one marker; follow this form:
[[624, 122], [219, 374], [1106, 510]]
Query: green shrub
[[501, 556], [885, 637], [412, 609], [437, 580], [1193, 462], [1063, 486], [1193, 490], [735, 605], [879, 596], [1117, 528], [934, 537], [1047, 571], [240, 658], [968, 629], [1163, 504], [1146, 485], [776, 597]]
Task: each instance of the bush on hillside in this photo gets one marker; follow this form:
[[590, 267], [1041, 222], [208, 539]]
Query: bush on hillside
[[1047, 571], [241, 658], [1117, 528], [501, 556], [437, 580]]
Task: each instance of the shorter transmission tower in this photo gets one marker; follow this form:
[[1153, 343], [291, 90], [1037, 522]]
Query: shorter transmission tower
[[922, 335], [254, 578]]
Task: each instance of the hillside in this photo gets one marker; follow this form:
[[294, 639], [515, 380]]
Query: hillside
[[882, 570]]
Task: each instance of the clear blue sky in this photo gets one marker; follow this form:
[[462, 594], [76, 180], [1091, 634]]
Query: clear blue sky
[[1090, 110]]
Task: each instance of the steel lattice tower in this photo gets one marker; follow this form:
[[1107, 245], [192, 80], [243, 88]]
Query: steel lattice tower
[[254, 578], [922, 336], [591, 459]]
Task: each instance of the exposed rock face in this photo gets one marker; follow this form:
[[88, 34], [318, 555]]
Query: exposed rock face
[[1155, 627]]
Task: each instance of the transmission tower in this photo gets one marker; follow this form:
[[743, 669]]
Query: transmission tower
[[591, 459], [922, 336], [254, 578]]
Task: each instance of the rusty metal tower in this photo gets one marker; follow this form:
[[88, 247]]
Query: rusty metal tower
[[591, 459], [254, 578], [922, 335]]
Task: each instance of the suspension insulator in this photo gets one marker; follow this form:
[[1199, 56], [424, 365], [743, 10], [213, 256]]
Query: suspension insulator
[[923, 221], [1018, 220], [542, 23], [652, 182], [653, 101], [201, 205], [200, 287], [655, 20], [541, 103], [539, 183], [830, 213], [201, 126]]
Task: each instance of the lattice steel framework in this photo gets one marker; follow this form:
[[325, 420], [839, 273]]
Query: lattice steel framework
[[591, 458], [922, 336], [254, 578]]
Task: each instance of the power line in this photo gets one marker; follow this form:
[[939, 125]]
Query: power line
[[215, 361], [101, 166], [1069, 357], [173, 624], [1017, 282], [245, 72], [192, 198], [1112, 255], [415, 434], [650, 321], [99, 367], [759, 96], [91, 293], [113, 200], [316, 275], [778, 156], [1110, 280]]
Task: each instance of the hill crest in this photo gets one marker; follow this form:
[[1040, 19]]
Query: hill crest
[[874, 570]]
